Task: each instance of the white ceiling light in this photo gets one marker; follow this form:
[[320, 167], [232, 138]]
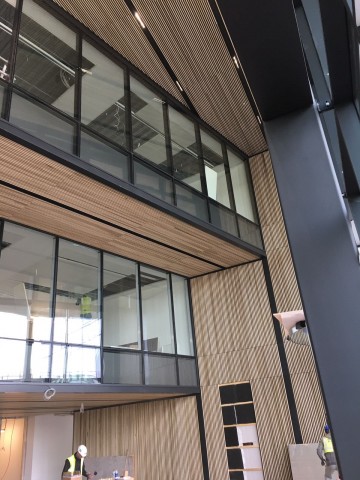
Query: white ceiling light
[[138, 18]]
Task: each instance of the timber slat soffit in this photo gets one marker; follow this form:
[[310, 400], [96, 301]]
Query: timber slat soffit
[[93, 213], [188, 36]]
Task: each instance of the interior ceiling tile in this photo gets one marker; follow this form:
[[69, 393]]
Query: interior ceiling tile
[[112, 21], [188, 36]]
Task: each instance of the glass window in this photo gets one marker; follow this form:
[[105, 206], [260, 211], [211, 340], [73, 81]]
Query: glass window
[[148, 129], [250, 232], [75, 364], [120, 303], [46, 59], [157, 321], [104, 156], [12, 359], [240, 177], [40, 362], [7, 10], [160, 370], [153, 182], [215, 169], [25, 282], [184, 148], [121, 367], [223, 218], [191, 202], [77, 317], [184, 336], [102, 95], [187, 371], [42, 123]]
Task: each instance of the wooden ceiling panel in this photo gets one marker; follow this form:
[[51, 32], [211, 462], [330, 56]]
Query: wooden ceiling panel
[[90, 212], [189, 38], [113, 22]]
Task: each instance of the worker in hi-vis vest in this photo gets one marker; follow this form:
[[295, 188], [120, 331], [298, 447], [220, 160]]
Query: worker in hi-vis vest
[[75, 463], [325, 451], [85, 306]]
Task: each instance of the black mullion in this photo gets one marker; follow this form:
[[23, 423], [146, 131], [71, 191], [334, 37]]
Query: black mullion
[[128, 123], [77, 96], [53, 303], [202, 167], [172, 308], [228, 177], [12, 56], [141, 322], [169, 156], [193, 330], [2, 225], [101, 312]]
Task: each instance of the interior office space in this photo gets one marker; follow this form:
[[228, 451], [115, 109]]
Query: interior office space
[[172, 175]]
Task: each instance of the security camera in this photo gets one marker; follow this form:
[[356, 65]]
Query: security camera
[[295, 327]]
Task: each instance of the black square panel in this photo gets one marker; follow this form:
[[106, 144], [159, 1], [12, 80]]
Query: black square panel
[[229, 417], [245, 413], [231, 437], [234, 458]]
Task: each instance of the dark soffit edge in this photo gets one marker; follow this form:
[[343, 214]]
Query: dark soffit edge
[[266, 39]]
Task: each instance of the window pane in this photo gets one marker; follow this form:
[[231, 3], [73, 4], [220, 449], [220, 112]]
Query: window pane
[[184, 337], [102, 95], [214, 169], [148, 130], [12, 359], [75, 364], [7, 10], [153, 182], [42, 123], [191, 202], [187, 372], [184, 149], [46, 58], [157, 324], [104, 156], [250, 232], [77, 295], [120, 304], [25, 280], [240, 177], [223, 218], [159, 370], [122, 368], [39, 362]]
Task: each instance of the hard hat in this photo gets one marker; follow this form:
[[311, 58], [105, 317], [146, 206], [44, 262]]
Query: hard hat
[[327, 429], [82, 450]]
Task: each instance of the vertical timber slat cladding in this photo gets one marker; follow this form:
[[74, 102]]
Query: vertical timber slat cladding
[[308, 398], [163, 436], [232, 309]]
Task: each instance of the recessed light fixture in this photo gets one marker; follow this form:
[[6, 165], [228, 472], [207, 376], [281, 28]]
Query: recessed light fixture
[[236, 62], [138, 18], [179, 86]]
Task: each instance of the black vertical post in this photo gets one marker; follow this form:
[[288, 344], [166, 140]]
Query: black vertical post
[[327, 268]]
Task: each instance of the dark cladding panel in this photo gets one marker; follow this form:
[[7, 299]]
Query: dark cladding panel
[[266, 39]]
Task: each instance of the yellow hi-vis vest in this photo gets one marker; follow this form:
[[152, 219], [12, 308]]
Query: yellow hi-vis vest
[[328, 445], [72, 461], [85, 305]]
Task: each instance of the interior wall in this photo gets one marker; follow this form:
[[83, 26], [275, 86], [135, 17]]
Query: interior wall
[[236, 342], [163, 437], [48, 443], [11, 449], [308, 397]]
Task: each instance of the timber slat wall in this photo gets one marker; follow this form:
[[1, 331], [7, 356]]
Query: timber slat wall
[[308, 398], [163, 436], [236, 342]]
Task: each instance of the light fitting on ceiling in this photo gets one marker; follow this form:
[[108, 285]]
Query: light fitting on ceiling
[[49, 393], [138, 18], [236, 62], [179, 86]]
